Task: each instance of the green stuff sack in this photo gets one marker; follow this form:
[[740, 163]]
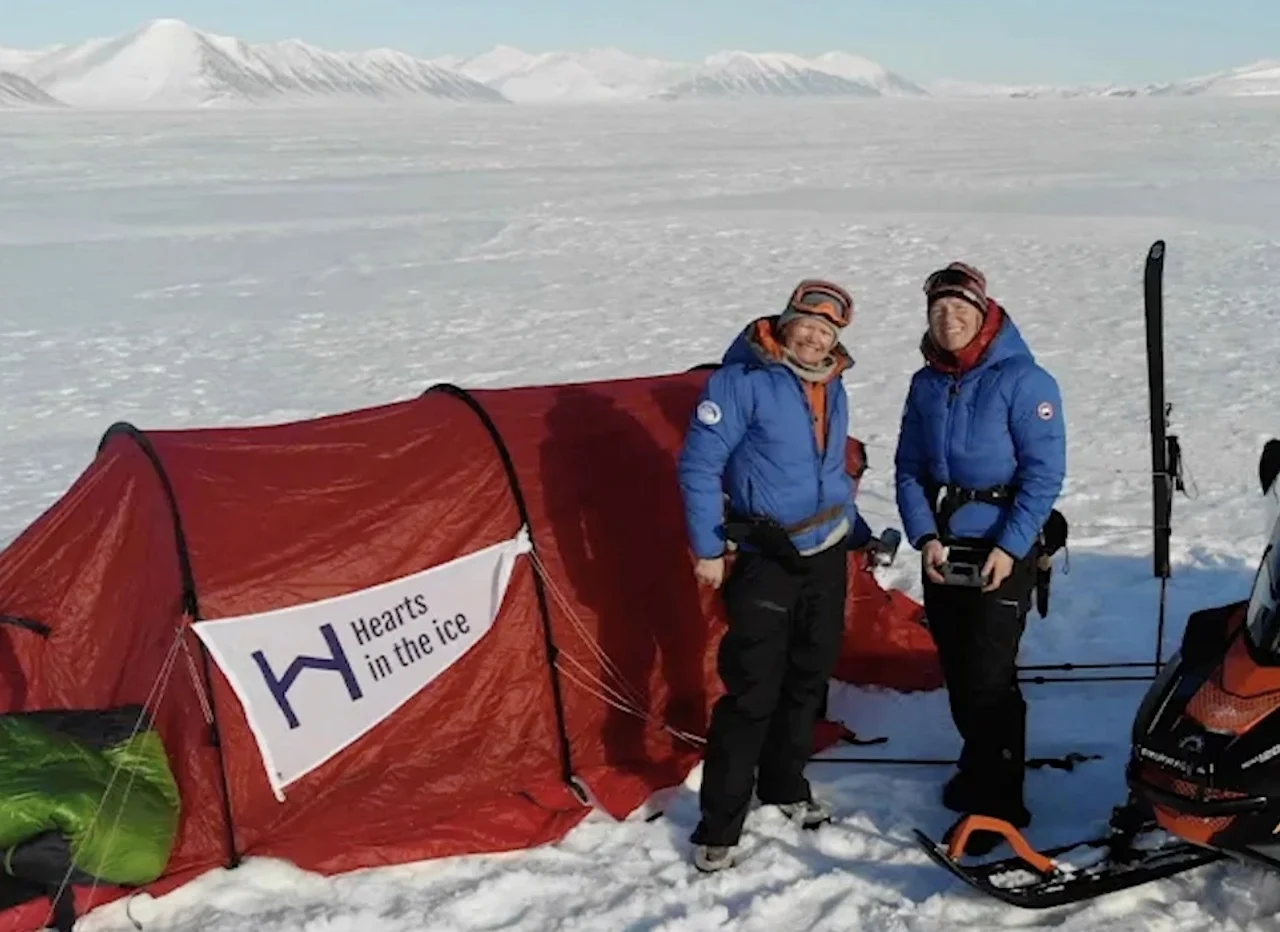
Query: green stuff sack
[[56, 775]]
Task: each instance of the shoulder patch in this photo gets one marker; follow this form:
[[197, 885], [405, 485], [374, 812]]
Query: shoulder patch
[[709, 413], [1044, 411]]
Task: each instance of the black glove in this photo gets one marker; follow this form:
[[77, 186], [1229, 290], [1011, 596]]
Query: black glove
[[882, 550]]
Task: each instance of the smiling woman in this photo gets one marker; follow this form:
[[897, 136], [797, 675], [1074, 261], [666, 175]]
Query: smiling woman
[[980, 462]]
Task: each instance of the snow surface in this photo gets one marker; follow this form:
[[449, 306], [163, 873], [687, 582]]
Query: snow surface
[[232, 268]]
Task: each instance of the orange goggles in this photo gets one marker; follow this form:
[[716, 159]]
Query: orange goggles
[[825, 299]]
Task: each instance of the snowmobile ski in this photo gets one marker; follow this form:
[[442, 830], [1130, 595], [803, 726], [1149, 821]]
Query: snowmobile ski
[[1033, 879]]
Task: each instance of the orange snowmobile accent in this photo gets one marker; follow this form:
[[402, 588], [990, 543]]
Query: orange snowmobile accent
[[1021, 847]]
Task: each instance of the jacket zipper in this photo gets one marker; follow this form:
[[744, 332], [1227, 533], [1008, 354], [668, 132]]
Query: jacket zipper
[[953, 391], [813, 437]]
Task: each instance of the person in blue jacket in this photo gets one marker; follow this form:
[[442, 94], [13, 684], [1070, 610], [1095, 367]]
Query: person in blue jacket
[[980, 462], [763, 473]]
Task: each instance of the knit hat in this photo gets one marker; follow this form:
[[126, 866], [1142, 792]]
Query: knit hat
[[821, 300], [960, 280]]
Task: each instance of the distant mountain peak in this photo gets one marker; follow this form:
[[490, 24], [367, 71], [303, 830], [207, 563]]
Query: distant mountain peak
[[17, 91], [835, 74], [169, 63]]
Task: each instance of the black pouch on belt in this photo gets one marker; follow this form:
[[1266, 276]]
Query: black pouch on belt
[[1053, 537]]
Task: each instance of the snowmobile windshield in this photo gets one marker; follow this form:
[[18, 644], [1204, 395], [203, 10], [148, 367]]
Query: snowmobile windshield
[[1263, 619]]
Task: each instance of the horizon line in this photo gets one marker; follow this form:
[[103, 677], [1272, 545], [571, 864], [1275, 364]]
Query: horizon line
[[571, 50]]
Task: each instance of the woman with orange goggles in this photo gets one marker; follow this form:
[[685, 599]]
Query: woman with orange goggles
[[764, 470]]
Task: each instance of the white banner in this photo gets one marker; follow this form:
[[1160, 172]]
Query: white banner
[[314, 678]]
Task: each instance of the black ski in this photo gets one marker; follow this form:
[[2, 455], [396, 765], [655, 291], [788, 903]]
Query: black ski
[[1166, 455], [1014, 881], [1162, 500]]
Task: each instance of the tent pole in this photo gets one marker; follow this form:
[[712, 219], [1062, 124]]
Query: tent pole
[[191, 609], [544, 612], [215, 738]]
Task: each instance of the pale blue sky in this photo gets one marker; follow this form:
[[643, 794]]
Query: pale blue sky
[[1071, 41]]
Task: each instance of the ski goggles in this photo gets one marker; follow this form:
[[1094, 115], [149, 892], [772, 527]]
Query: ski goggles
[[824, 299]]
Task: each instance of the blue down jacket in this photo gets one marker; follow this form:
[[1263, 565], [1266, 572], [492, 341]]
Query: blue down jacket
[[1000, 423], [752, 438]]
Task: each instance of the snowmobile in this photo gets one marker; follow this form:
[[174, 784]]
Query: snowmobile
[[1203, 772]]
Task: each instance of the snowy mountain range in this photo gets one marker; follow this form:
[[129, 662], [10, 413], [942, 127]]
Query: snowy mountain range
[[167, 63], [610, 74], [1261, 79]]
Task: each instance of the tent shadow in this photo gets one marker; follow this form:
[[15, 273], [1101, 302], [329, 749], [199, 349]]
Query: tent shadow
[[614, 504]]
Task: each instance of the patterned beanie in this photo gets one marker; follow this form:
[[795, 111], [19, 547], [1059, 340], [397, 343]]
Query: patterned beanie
[[960, 280]]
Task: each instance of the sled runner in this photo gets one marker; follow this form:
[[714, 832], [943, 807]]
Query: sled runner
[[1127, 856]]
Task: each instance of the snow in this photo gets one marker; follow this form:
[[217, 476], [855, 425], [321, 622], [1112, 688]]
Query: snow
[[770, 73], [615, 75], [856, 68], [591, 76], [16, 91], [1260, 78], [233, 267], [168, 64]]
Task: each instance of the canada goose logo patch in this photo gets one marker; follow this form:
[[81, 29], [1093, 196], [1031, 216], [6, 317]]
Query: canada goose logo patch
[[709, 413], [1044, 411]]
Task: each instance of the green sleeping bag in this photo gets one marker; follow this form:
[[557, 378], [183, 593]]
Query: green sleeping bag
[[83, 777]]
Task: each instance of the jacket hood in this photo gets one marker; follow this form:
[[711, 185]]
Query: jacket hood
[[756, 344], [1006, 343]]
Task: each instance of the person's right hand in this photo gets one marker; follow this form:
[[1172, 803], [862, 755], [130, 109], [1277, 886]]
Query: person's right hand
[[710, 572], [933, 556]]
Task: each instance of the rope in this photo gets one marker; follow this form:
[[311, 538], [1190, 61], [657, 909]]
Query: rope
[[625, 697], [597, 651], [206, 706], [609, 694], [158, 686], [689, 737]]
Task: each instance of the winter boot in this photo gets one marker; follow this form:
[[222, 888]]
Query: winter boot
[[809, 813], [961, 794], [712, 858]]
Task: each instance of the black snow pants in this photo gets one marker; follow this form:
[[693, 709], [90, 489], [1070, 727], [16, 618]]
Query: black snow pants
[[783, 641], [977, 635]]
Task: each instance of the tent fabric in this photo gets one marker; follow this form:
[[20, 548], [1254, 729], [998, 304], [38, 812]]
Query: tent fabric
[[278, 515]]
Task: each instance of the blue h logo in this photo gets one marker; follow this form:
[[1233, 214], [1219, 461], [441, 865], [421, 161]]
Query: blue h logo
[[336, 661]]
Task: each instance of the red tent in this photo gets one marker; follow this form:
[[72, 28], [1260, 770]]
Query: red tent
[[168, 527]]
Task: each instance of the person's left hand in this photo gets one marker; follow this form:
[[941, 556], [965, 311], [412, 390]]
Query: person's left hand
[[997, 569]]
